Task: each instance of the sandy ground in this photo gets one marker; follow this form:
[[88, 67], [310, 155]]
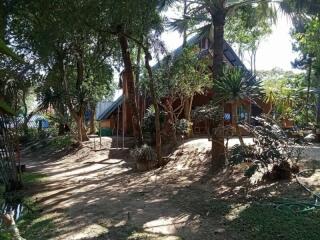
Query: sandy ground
[[98, 194]]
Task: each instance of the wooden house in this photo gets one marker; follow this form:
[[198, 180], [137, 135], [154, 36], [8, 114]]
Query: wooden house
[[119, 113]]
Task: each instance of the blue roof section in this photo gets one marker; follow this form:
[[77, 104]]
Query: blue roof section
[[109, 110]]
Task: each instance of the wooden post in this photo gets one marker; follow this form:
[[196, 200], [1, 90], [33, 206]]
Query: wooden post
[[100, 133], [118, 122]]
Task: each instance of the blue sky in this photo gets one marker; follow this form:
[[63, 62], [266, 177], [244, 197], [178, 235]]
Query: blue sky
[[275, 50]]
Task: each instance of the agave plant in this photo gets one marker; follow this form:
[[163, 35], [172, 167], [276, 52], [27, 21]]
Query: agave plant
[[234, 87]]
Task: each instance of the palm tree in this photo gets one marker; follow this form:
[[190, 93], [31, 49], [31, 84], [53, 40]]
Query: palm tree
[[234, 87], [211, 15]]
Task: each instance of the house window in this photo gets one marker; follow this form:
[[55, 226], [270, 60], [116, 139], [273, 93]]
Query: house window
[[227, 117], [242, 114]]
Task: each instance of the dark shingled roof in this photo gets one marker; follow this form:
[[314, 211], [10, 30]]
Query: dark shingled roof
[[228, 52]]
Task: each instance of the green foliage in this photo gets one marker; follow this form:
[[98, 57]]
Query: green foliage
[[235, 86], [148, 123], [207, 112], [266, 222], [144, 153], [5, 108], [249, 25], [183, 126], [270, 148], [31, 225], [182, 75], [61, 142], [286, 91], [239, 154], [5, 50], [30, 178]]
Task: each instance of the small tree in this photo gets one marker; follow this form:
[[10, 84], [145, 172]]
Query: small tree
[[179, 78], [234, 87]]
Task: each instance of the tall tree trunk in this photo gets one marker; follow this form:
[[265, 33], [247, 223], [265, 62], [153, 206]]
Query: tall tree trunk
[[308, 90], [79, 119], [82, 133], [25, 113], [218, 151], [185, 9], [137, 79], [76, 115], [92, 117], [318, 111], [156, 106], [3, 20], [129, 77]]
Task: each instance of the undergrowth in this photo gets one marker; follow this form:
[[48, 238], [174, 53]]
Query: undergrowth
[[31, 224]]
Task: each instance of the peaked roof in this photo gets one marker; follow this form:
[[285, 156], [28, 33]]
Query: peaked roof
[[228, 52], [112, 107]]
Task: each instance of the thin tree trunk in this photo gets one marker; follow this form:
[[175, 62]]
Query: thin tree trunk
[[318, 111], [156, 107], [187, 112], [25, 113], [255, 62], [170, 111], [308, 91], [185, 9], [137, 79], [82, 133], [129, 77], [238, 131], [218, 149], [92, 125]]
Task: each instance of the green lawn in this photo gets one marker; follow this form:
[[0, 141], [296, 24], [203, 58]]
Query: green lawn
[[262, 222]]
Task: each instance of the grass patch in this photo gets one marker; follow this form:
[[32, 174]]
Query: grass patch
[[61, 142], [29, 178], [261, 222], [31, 225], [34, 226]]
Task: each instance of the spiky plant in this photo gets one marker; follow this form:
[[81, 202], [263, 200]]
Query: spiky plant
[[145, 157], [235, 87]]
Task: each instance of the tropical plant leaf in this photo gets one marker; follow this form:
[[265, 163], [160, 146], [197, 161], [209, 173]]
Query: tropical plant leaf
[[5, 50], [4, 107]]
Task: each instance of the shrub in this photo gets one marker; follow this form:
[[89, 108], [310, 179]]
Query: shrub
[[60, 142], [183, 126], [145, 157], [239, 154], [270, 149], [148, 123]]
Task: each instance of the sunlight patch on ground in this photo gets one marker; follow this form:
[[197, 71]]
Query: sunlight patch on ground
[[235, 211], [89, 231], [166, 225], [204, 143], [150, 236]]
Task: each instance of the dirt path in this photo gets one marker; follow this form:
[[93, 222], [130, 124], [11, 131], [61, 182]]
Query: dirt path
[[98, 195]]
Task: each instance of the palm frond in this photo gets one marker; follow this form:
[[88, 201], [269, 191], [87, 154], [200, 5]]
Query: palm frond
[[5, 50], [5, 108], [163, 5], [235, 86]]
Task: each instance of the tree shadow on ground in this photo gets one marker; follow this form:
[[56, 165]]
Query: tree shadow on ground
[[183, 199]]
